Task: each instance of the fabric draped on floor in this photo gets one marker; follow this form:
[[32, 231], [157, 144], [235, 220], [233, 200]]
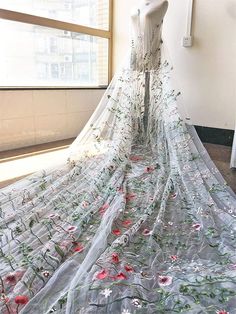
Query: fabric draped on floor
[[137, 220]]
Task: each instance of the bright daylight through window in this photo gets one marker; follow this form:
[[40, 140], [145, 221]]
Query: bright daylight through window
[[43, 54]]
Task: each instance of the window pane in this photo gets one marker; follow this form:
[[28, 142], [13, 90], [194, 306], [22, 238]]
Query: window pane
[[32, 55], [93, 13]]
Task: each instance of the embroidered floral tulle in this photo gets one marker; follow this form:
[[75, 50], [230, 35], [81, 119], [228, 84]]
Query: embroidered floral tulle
[[137, 220]]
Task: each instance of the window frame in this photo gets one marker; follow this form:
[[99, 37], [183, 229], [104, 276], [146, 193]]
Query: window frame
[[66, 26]]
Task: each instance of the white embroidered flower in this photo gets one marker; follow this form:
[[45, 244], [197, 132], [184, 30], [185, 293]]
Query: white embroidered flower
[[137, 303], [125, 312], [106, 292]]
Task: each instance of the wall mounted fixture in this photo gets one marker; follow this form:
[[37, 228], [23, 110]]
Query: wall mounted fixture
[[188, 38]]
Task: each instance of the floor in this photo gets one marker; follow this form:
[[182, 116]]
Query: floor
[[16, 164]]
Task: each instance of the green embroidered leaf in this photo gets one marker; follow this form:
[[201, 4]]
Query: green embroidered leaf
[[213, 245], [59, 251], [32, 221]]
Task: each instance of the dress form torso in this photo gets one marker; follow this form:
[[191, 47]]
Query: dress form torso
[[146, 56], [147, 23]]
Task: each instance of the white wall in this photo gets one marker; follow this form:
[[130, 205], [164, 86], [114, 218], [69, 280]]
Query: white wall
[[206, 73], [34, 117]]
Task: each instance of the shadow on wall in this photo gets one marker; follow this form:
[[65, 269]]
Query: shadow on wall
[[231, 9]]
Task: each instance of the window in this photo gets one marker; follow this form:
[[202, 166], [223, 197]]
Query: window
[[54, 52]]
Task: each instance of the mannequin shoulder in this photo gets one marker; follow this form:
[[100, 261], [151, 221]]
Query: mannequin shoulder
[[134, 13], [160, 7]]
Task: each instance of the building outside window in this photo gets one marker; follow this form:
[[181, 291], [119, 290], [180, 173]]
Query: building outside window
[[37, 56]]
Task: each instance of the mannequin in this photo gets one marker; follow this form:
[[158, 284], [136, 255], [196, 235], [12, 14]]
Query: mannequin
[[153, 6], [154, 11]]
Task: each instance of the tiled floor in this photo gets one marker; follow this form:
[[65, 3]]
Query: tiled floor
[[220, 155]]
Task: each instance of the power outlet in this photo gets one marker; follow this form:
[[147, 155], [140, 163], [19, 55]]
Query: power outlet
[[187, 41]]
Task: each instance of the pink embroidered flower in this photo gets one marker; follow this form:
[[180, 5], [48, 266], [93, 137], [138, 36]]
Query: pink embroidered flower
[[85, 204], [102, 274], [103, 209], [129, 268], [53, 216], [186, 167], [127, 223], [71, 229], [79, 248], [130, 196], [11, 278], [146, 232], [164, 280], [149, 169], [116, 232], [233, 266], [21, 299], [174, 257], [222, 312], [174, 195], [121, 276], [115, 258], [135, 158], [197, 227], [14, 277]]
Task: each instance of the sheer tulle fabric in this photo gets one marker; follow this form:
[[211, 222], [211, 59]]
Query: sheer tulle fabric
[[138, 219]]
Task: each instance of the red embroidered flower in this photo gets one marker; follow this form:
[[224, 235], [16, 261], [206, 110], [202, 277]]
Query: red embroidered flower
[[130, 196], [102, 274], [164, 280], [11, 278], [129, 268], [146, 232], [174, 257], [79, 248], [103, 209], [135, 158], [116, 232], [21, 299], [121, 276], [127, 223], [149, 169], [222, 312], [115, 258], [197, 227], [71, 228]]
